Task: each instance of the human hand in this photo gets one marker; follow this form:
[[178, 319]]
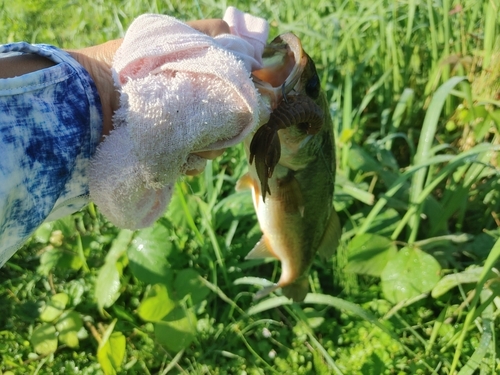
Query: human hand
[[97, 60]]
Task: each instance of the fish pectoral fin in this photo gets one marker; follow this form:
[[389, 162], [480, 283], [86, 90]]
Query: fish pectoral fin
[[290, 194], [244, 183], [331, 237], [260, 251]]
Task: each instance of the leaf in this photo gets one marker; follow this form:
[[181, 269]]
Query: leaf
[[76, 289], [481, 246], [42, 234], [68, 326], [54, 307], [44, 339], [187, 282], [252, 280], [369, 253], [470, 275], [410, 273], [111, 353], [111, 350], [360, 159], [178, 334], [269, 303], [156, 305], [66, 225], [108, 283], [314, 318], [148, 255], [59, 257], [69, 259], [48, 260]]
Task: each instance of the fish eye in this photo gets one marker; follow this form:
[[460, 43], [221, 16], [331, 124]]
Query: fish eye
[[313, 87]]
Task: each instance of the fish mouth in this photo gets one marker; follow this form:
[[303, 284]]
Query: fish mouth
[[284, 61], [291, 101]]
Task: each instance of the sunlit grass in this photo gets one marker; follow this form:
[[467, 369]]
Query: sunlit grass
[[414, 95]]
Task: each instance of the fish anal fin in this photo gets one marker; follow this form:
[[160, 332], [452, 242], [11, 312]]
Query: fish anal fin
[[298, 289], [265, 291], [260, 250], [331, 237], [290, 194]]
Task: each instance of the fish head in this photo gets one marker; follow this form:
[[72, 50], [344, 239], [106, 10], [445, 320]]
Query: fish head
[[284, 61], [290, 83]]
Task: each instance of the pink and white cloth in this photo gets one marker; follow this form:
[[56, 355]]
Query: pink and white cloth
[[181, 92]]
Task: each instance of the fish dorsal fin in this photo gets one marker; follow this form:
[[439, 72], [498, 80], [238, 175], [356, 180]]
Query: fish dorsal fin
[[260, 250], [244, 183], [331, 236], [290, 194]]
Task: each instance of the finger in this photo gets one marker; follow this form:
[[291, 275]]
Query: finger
[[212, 154], [211, 27], [193, 172]]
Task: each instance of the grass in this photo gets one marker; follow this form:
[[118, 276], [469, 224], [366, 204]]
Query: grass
[[414, 91]]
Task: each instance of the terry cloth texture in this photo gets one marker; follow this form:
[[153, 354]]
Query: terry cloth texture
[[181, 92], [50, 125]]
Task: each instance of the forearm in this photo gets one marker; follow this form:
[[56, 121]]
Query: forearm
[[14, 66], [96, 60]]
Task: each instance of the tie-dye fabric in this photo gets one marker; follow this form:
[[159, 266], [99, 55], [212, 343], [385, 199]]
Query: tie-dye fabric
[[50, 125]]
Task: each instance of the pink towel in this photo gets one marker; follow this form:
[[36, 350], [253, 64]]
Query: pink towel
[[181, 92]]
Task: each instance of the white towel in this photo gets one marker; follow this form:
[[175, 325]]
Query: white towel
[[181, 92]]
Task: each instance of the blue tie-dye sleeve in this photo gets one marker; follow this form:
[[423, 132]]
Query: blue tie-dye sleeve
[[50, 125]]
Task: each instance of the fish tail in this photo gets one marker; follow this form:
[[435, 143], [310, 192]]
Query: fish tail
[[297, 290]]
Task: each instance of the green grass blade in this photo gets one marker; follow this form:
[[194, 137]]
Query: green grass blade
[[433, 33], [346, 116], [482, 349], [187, 213], [404, 103], [412, 6], [490, 28], [456, 162], [269, 303], [426, 141], [490, 262], [296, 311], [395, 187], [435, 330]]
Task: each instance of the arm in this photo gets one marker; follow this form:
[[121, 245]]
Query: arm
[[97, 61], [14, 66]]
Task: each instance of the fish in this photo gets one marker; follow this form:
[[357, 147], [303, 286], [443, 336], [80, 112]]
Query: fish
[[292, 167]]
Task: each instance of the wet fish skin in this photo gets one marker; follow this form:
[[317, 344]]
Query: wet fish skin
[[296, 169]]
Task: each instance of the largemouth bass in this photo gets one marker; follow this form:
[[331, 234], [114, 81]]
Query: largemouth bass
[[292, 167]]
